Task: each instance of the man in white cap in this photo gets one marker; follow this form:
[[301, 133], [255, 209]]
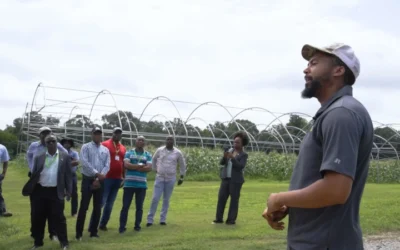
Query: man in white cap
[[328, 179], [37, 148]]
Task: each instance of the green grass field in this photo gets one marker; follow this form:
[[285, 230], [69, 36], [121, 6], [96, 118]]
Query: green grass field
[[189, 220]]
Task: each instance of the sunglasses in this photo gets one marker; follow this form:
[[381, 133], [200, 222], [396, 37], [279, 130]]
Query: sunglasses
[[51, 141]]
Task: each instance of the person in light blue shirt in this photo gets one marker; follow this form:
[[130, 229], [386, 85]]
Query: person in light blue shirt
[[137, 163], [4, 158], [37, 148], [69, 144]]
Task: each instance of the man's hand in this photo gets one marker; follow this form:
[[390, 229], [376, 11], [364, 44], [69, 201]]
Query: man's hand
[[273, 203], [122, 183], [229, 155], [96, 184], [101, 177], [274, 219], [67, 196]]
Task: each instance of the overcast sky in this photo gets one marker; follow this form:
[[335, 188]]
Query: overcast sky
[[239, 53]]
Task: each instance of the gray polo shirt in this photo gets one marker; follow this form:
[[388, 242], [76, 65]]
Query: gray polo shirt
[[340, 140]]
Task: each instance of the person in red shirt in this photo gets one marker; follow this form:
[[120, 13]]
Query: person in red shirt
[[115, 175]]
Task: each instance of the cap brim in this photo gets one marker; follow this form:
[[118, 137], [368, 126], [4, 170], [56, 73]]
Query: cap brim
[[308, 51]]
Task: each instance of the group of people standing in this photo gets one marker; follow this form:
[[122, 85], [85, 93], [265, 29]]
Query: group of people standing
[[105, 168]]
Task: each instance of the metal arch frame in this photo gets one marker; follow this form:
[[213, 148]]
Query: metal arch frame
[[255, 125], [217, 103], [267, 132], [276, 131], [177, 110], [251, 137], [388, 126], [105, 91], [276, 118], [83, 123], [172, 127], [40, 85], [201, 138], [390, 144], [137, 132], [227, 137], [207, 126], [129, 125], [102, 129], [19, 147]]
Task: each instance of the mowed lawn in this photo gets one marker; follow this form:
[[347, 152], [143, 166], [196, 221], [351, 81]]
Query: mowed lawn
[[189, 220]]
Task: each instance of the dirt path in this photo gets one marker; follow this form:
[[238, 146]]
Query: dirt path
[[387, 241]]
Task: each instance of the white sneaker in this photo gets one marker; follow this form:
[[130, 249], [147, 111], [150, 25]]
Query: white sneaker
[[54, 238]]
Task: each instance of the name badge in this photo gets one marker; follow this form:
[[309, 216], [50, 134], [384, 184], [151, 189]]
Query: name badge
[[117, 157]]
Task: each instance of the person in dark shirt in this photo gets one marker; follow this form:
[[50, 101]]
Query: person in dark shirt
[[328, 180]]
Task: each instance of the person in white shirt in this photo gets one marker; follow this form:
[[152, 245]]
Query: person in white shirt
[[165, 163], [49, 184]]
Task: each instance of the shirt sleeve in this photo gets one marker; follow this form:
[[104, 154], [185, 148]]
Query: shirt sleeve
[[149, 159], [29, 157], [4, 155], [106, 168], [76, 156], [341, 132], [182, 164], [86, 166], [154, 160], [61, 148]]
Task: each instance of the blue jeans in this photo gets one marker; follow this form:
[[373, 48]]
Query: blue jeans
[[164, 188], [140, 194], [111, 187]]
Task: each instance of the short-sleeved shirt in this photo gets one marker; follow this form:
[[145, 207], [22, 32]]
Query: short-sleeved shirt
[[340, 140], [133, 178], [4, 157], [117, 160], [74, 155]]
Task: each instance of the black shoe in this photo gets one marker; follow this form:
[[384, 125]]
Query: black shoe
[[137, 229], [6, 214], [103, 228], [217, 222], [163, 223], [230, 223], [64, 246], [94, 236], [149, 224], [121, 231]]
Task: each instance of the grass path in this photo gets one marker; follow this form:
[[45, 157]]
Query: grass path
[[189, 220]]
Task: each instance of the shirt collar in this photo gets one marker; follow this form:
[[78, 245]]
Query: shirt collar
[[47, 153], [345, 90]]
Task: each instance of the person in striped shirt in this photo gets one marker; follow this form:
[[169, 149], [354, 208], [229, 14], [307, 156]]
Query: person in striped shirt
[[137, 163]]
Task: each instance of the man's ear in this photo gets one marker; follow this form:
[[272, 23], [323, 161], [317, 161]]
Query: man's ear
[[338, 71]]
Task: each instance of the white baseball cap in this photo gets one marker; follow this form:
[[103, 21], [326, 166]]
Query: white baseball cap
[[342, 51], [42, 129]]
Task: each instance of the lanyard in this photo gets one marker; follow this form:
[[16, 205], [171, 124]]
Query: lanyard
[[116, 148], [48, 163], [142, 157]]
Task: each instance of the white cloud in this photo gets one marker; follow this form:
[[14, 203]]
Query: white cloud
[[239, 53]]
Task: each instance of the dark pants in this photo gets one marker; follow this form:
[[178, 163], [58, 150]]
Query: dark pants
[[140, 194], [87, 193], [111, 187], [46, 205], [2, 203], [74, 195], [228, 188], [50, 225]]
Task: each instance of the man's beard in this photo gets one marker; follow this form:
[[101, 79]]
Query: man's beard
[[311, 90]]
